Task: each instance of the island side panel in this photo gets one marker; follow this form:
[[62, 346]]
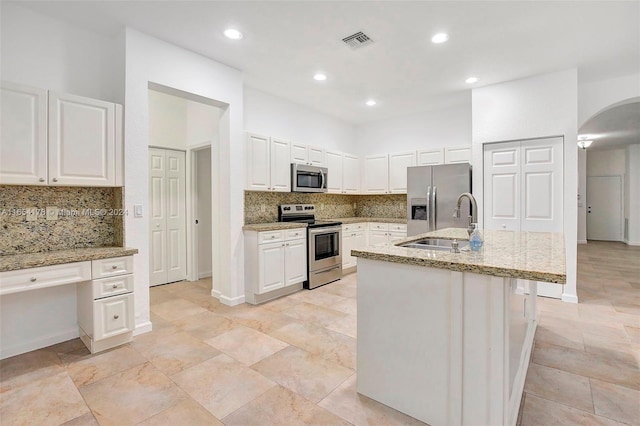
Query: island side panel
[[410, 339]]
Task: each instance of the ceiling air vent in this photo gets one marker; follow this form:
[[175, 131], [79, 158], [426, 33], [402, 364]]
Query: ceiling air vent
[[357, 40]]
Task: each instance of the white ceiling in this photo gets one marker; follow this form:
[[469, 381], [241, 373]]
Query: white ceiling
[[614, 127], [285, 43]]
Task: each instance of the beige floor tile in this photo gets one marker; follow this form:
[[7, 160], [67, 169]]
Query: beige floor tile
[[66, 347], [309, 375], [27, 368], [280, 406], [247, 345], [614, 348], [347, 325], [616, 402], [633, 333], [282, 304], [542, 412], [131, 396], [187, 412], [317, 297], [159, 295], [567, 337], [313, 313], [586, 364], [222, 385], [560, 386], [330, 345], [84, 420], [205, 325], [103, 365], [176, 309], [259, 318], [175, 352], [50, 400], [348, 306], [357, 409], [340, 289]]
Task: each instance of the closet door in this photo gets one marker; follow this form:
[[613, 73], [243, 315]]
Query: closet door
[[157, 218], [502, 186], [176, 216]]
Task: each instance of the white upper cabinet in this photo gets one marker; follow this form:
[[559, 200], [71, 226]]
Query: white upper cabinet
[[351, 174], [23, 138], [304, 154], [376, 174], [334, 172], [460, 154], [82, 139], [398, 164], [67, 140], [268, 163], [430, 157]]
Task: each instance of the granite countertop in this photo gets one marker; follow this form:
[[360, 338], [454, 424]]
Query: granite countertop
[[273, 226], [14, 262], [537, 256]]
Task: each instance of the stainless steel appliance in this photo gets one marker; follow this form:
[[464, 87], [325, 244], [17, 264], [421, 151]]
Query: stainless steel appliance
[[324, 241], [432, 195], [306, 178]]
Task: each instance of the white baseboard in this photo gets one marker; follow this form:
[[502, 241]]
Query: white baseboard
[[142, 328], [231, 301], [582, 241], [205, 274], [39, 343], [632, 243], [216, 293], [569, 298]]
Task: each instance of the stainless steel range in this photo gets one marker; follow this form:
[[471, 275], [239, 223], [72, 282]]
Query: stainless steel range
[[324, 243]]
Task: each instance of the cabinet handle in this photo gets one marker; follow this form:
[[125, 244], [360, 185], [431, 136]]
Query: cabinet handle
[[114, 267], [116, 316], [41, 179], [55, 179], [115, 286], [273, 236], [33, 279]]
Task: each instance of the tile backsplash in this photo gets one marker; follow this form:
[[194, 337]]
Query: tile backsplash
[[87, 217], [262, 207]]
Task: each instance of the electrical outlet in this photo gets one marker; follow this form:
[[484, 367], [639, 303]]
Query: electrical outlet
[[52, 213], [32, 214], [263, 208]]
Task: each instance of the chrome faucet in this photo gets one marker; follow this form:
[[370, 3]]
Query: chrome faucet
[[473, 219]]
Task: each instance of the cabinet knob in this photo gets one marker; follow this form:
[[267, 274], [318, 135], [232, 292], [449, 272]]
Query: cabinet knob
[[114, 267], [115, 286], [33, 279], [41, 179], [116, 316], [55, 179]]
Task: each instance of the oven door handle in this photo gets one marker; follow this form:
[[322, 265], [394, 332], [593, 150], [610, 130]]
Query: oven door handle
[[326, 230], [328, 270]]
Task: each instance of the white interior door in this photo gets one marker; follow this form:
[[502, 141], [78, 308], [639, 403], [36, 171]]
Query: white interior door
[[157, 218], [502, 186], [176, 216], [604, 208]]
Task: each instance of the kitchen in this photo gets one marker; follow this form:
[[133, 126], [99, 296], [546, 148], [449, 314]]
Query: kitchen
[[117, 66]]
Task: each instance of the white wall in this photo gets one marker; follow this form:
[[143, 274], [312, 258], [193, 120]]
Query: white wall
[[608, 162], [433, 129], [202, 123], [538, 106], [151, 60], [203, 194], [632, 194], [274, 116], [167, 120], [595, 96], [582, 196], [43, 52]]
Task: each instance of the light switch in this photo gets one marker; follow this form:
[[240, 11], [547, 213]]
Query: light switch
[[137, 210], [52, 213], [32, 214]]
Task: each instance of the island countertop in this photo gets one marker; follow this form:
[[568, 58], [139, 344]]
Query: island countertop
[[538, 256], [13, 262]]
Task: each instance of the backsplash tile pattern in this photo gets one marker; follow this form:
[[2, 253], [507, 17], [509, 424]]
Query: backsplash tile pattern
[[329, 205], [105, 227]]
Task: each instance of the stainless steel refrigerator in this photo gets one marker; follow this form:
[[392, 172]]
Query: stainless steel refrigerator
[[432, 193]]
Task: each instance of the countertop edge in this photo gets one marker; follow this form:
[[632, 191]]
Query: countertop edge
[[50, 258]]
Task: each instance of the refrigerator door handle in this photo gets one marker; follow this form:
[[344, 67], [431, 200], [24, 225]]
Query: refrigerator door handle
[[434, 209], [429, 209]]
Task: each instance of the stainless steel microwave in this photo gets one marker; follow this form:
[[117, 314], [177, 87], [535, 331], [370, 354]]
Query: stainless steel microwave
[[306, 178]]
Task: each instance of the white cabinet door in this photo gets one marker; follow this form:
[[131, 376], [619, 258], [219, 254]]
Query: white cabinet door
[[280, 166], [176, 216], [377, 237], [461, 154], [82, 141], [258, 164], [396, 236], [430, 157], [316, 156], [334, 171], [270, 267], [398, 164], [23, 135], [295, 261], [502, 186], [157, 218], [348, 239], [350, 174], [376, 174], [359, 242], [113, 315], [299, 153]]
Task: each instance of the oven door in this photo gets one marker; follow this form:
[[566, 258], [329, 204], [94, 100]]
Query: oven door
[[325, 247], [308, 178]]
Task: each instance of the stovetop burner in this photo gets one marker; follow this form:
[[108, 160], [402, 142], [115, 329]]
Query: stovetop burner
[[303, 213]]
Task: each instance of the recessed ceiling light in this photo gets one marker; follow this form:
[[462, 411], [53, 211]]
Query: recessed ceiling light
[[440, 38], [471, 80], [320, 77], [371, 102], [233, 34]]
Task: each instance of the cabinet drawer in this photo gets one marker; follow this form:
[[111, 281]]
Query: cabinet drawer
[[270, 237], [379, 226], [104, 268], [112, 286], [397, 227], [354, 227], [296, 234], [113, 316], [46, 276]]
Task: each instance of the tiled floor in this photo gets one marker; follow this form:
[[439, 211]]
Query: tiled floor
[[292, 361]]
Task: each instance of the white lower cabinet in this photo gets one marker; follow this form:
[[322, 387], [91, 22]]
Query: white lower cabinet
[[275, 263], [106, 305], [382, 233], [354, 237]]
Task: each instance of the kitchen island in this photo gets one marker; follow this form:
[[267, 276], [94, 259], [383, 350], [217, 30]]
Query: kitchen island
[[446, 337]]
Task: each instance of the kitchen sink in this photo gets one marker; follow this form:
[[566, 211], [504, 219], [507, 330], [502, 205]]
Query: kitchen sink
[[434, 244]]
